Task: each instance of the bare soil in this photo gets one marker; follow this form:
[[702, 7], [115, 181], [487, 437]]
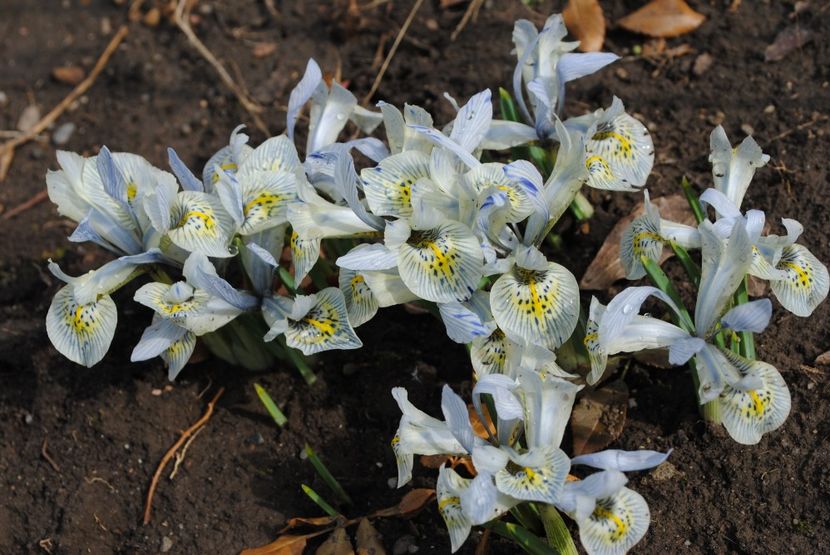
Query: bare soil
[[107, 427]]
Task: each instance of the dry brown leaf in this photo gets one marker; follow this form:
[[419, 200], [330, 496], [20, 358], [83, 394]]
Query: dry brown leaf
[[599, 417], [71, 75], [585, 21], [606, 268], [368, 539], [823, 359], [480, 428], [314, 521], [433, 461], [284, 545], [663, 18], [411, 504], [337, 543], [791, 38]]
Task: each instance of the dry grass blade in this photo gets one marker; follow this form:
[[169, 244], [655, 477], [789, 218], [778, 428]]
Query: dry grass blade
[[585, 21], [182, 19], [663, 18], [386, 62], [7, 148]]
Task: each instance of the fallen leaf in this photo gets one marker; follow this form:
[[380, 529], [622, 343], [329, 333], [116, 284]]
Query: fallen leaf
[[411, 504], [71, 75], [284, 545], [368, 539], [606, 268], [337, 543], [433, 461], [264, 49], [823, 359], [663, 18], [599, 417], [585, 21], [480, 428], [28, 118], [314, 521], [791, 38]]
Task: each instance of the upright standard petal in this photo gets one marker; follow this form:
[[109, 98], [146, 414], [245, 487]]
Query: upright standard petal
[[324, 327], [733, 169], [443, 264], [539, 307], [81, 332]]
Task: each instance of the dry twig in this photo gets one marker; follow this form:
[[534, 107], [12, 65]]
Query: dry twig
[[471, 13], [49, 458], [148, 507], [392, 51], [817, 118], [182, 19], [7, 148], [23, 206], [180, 456]]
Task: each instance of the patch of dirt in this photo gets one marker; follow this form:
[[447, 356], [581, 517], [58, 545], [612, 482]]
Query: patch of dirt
[[106, 429]]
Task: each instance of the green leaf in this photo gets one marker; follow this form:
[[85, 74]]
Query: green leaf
[[507, 105], [529, 542], [314, 496], [662, 282], [556, 531], [691, 198], [270, 406], [691, 267], [327, 477]]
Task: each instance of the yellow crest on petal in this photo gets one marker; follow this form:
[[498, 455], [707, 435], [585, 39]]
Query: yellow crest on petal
[[324, 327], [616, 524]]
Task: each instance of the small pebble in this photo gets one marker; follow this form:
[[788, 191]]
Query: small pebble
[[379, 464], [166, 544], [432, 25], [746, 128], [811, 385], [621, 73], [28, 118], [63, 133], [256, 439], [303, 455], [795, 522], [4, 99], [404, 544], [632, 403], [106, 26], [392, 483], [702, 64], [687, 543], [28, 419], [769, 109], [155, 392]]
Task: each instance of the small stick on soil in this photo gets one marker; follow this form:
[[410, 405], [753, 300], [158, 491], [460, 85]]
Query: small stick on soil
[[799, 127], [392, 52], [180, 456], [22, 207], [182, 19], [471, 13], [7, 148], [148, 507], [49, 458]]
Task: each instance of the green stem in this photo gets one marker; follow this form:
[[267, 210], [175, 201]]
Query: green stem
[[747, 344], [692, 269], [691, 198], [524, 513], [559, 537], [664, 284], [298, 360], [709, 411], [287, 280]]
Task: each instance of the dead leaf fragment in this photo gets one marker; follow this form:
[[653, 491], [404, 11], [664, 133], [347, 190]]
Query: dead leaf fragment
[[71, 75], [606, 268], [284, 545], [411, 504], [585, 21], [599, 417], [791, 38], [663, 18], [337, 543], [823, 359], [264, 49], [368, 539]]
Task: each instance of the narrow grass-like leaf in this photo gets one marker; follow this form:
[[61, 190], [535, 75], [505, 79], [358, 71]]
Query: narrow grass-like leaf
[[314, 496], [327, 477], [507, 105], [691, 198], [691, 267], [298, 360], [270, 406], [581, 207], [529, 542], [662, 282], [287, 280], [559, 537]]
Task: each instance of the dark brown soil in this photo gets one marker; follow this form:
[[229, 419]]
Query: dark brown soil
[[107, 427]]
